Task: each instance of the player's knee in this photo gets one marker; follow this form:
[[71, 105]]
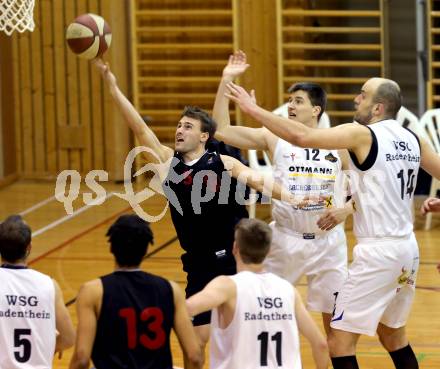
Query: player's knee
[[392, 339], [338, 346], [393, 342]]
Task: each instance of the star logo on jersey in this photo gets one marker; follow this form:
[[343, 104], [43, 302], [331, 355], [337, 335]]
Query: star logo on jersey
[[331, 158]]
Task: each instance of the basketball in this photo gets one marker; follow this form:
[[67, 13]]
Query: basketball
[[89, 36]]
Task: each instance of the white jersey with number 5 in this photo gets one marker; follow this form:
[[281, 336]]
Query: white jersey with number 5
[[383, 185], [27, 319], [263, 332]]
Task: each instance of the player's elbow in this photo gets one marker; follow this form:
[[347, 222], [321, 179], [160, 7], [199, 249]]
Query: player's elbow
[[79, 361], [300, 139], [322, 346], [195, 358], [65, 340]]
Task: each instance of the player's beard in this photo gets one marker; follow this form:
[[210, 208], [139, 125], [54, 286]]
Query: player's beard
[[363, 119]]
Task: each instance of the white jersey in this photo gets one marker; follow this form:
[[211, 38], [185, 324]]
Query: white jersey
[[310, 173], [383, 186], [27, 319], [263, 332]]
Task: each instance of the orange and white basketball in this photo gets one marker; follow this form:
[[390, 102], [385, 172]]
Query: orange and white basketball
[[89, 36]]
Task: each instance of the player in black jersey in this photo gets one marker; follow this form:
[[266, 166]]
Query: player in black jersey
[[200, 190], [125, 318]]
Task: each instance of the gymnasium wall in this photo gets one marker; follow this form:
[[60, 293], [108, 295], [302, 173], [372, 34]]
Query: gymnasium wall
[[63, 117], [170, 53]]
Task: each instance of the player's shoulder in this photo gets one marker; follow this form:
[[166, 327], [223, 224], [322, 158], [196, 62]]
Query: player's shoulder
[[92, 287]]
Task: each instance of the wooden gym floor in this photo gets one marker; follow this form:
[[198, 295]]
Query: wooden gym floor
[[73, 250]]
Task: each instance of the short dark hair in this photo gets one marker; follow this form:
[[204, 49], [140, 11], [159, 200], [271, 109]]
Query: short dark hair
[[316, 94], [253, 238], [15, 237], [388, 93], [207, 124], [129, 238]]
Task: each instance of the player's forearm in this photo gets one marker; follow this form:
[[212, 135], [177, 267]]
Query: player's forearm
[[349, 207], [320, 354], [196, 305], [79, 362], [267, 186], [289, 130], [63, 342], [130, 114], [220, 112]]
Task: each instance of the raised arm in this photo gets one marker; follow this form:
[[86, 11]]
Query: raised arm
[[351, 136], [185, 332], [238, 136], [261, 182], [143, 133], [86, 308], [215, 293], [308, 328]]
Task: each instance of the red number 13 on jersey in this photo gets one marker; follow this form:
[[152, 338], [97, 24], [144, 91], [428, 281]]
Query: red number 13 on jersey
[[155, 327]]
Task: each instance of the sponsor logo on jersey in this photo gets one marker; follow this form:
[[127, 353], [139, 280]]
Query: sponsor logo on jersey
[[292, 156], [406, 277], [303, 169], [331, 158]]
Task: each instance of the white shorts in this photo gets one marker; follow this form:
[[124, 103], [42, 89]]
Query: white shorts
[[323, 260], [380, 286]]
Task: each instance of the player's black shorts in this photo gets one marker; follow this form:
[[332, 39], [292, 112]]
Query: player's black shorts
[[198, 278]]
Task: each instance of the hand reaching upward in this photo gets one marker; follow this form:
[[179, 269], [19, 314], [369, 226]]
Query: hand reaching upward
[[236, 66], [241, 97], [104, 69]]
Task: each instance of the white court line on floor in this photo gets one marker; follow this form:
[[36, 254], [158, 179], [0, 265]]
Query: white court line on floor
[[38, 205], [70, 216]]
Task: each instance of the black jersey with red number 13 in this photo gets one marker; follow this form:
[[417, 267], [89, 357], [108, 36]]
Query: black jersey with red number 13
[[134, 325]]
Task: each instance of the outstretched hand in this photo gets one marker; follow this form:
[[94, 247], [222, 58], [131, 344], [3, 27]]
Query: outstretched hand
[[236, 66], [241, 97], [104, 69], [331, 218], [431, 204]]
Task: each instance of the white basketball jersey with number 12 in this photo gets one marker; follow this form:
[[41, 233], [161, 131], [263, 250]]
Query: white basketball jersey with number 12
[[263, 332], [308, 173], [27, 319]]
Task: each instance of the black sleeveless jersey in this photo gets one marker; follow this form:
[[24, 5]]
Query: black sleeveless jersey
[[134, 325], [204, 226]]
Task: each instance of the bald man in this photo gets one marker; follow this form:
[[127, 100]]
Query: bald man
[[384, 162]]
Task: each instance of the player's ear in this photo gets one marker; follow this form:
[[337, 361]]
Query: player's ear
[[28, 250], [204, 137], [316, 110], [234, 249]]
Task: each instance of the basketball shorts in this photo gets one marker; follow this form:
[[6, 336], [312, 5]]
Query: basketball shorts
[[198, 279], [380, 285], [322, 259]]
